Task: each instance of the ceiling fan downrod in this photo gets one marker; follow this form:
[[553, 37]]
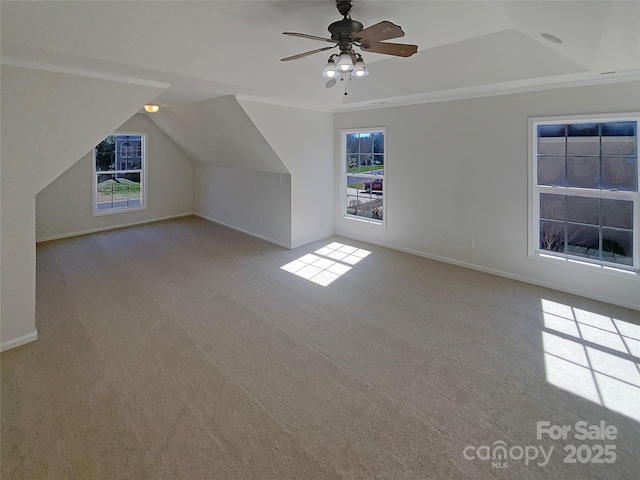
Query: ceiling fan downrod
[[344, 7]]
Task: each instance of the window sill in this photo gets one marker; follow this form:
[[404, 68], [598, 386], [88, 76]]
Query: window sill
[[117, 210], [586, 266], [365, 220]]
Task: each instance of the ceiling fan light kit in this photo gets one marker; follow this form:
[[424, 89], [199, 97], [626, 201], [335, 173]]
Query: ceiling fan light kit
[[330, 70], [344, 63], [348, 33], [359, 68]]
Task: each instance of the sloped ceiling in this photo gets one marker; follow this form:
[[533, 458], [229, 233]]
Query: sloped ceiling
[[214, 48], [49, 120], [218, 132]]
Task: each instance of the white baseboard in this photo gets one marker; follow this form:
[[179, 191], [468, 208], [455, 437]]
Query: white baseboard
[[261, 237], [492, 271], [111, 227], [16, 342]]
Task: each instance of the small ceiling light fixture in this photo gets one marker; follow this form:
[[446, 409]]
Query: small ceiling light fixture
[[551, 38], [330, 69], [151, 108], [359, 69]]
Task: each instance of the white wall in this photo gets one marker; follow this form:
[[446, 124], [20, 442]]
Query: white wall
[[303, 140], [457, 171], [64, 207], [49, 120], [258, 203], [239, 180]]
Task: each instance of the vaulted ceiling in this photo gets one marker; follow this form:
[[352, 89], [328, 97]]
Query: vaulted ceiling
[[213, 48]]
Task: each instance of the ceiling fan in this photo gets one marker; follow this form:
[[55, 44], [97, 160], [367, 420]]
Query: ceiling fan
[[348, 33]]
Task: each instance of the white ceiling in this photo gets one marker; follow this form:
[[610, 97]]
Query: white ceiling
[[212, 48]]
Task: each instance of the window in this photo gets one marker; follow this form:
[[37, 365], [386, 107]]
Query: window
[[363, 160], [118, 176], [585, 202]]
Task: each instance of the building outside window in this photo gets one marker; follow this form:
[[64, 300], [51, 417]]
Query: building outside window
[[119, 173], [363, 166], [584, 204]]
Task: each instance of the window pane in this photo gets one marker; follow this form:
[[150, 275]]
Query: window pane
[[367, 185], [103, 179], [105, 191], [551, 139], [619, 138], [378, 142], [366, 143], [620, 173], [582, 130], [553, 207], [352, 163], [355, 183], [551, 145], [353, 204], [617, 246], [583, 146], [617, 213], [364, 197], [370, 204], [583, 210], [378, 159], [552, 236], [373, 185], [583, 139], [583, 241], [135, 163], [118, 191], [365, 162], [551, 130], [353, 143], [583, 172], [105, 154], [551, 171]]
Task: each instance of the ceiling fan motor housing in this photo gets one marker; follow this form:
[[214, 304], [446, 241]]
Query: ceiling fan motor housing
[[342, 31]]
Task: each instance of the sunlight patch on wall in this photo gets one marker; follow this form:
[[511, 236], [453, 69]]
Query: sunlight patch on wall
[[326, 265], [593, 356]]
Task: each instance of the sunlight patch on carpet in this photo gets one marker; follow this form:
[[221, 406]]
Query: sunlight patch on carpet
[[593, 356], [327, 264]]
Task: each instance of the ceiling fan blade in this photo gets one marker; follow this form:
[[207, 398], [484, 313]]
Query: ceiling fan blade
[[384, 30], [397, 49], [300, 55], [310, 37]]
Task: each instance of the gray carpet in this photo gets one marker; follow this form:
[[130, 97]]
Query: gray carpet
[[181, 349]]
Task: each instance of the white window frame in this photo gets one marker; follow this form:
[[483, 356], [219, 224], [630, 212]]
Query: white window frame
[[534, 196], [143, 178], [344, 175]]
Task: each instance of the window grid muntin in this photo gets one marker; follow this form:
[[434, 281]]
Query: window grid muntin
[[367, 175], [141, 147], [600, 226], [601, 193]]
